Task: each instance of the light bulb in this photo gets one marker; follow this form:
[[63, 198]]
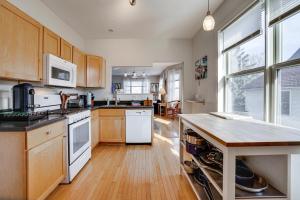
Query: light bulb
[[209, 22]]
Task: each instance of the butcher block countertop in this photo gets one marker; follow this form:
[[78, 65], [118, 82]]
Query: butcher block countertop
[[242, 133]]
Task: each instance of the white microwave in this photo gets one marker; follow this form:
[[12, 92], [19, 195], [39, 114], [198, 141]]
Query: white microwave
[[59, 72]]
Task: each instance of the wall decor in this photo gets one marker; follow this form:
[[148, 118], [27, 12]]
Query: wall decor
[[201, 68]]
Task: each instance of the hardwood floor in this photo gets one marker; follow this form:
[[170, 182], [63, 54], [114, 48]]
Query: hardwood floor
[[132, 172]]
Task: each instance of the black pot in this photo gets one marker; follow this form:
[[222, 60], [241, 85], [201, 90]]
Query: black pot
[[244, 175], [194, 148]]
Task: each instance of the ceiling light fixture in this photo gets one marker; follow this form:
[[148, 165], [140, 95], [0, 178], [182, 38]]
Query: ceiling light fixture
[[132, 2], [209, 21]]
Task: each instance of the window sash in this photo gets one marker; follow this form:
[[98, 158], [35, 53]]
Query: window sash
[[279, 10], [254, 14]]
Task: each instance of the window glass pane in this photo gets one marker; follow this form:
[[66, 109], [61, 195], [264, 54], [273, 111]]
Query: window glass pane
[[248, 55], [136, 90], [246, 95], [279, 7], [246, 25], [290, 40], [288, 97]]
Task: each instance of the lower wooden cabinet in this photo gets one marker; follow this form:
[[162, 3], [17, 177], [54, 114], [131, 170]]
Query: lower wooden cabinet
[[33, 162], [112, 125], [95, 129], [45, 168]]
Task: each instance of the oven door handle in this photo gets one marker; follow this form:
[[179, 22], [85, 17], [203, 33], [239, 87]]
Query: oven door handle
[[79, 123]]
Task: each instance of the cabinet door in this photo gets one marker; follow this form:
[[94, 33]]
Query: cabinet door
[[45, 168], [66, 50], [20, 45], [79, 59], [93, 64], [103, 73], [51, 43], [95, 131], [112, 129]]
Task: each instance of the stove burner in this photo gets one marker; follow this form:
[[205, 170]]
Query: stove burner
[[22, 116]]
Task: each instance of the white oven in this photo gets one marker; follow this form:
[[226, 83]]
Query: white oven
[[79, 138], [79, 143], [59, 72]]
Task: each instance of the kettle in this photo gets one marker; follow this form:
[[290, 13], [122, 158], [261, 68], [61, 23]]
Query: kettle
[[89, 99]]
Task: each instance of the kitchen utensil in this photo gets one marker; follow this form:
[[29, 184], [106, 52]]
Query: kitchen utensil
[[201, 179], [194, 148], [64, 99], [190, 166], [23, 97], [258, 184], [193, 138]]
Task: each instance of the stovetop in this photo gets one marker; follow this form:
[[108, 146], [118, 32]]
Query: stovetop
[[32, 116]]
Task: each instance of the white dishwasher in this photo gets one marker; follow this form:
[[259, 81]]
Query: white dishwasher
[[138, 126]]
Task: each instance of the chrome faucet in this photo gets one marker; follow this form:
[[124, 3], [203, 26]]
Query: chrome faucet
[[116, 97]]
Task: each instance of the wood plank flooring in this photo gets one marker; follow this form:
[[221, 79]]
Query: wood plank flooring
[[132, 172]]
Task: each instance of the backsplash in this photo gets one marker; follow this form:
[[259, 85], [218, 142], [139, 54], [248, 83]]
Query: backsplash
[[6, 98]]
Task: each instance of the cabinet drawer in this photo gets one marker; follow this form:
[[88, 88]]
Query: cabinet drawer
[[111, 112], [45, 133]]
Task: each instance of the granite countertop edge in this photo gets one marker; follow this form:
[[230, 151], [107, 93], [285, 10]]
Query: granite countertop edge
[[26, 128]]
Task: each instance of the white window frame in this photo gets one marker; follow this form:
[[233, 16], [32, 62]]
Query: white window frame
[[272, 65], [225, 65]]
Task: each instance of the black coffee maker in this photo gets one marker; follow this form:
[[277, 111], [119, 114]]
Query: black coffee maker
[[23, 97]]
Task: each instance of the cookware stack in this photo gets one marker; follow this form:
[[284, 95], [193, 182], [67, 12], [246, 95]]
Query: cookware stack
[[211, 158]]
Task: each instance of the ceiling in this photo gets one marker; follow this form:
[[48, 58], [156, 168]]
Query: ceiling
[[92, 19], [154, 70]]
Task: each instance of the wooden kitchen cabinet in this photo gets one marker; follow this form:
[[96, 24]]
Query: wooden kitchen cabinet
[[20, 44], [112, 125], [96, 71], [79, 59], [95, 129], [66, 50], [45, 168], [51, 43], [33, 163]]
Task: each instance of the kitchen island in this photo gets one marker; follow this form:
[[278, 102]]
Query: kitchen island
[[264, 146]]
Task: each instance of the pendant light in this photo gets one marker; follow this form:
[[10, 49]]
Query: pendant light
[[209, 21], [132, 2]]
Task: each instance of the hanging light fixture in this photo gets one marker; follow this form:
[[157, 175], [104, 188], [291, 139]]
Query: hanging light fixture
[[132, 2], [209, 21]]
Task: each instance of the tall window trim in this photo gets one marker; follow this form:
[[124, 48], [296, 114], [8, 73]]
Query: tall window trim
[[260, 69]]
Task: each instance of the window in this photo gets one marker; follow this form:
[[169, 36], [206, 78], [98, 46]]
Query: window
[[289, 38], [136, 86], [244, 58], [246, 95], [173, 92], [285, 102], [288, 96], [244, 50]]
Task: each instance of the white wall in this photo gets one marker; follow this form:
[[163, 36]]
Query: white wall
[[206, 43], [144, 52], [37, 10]]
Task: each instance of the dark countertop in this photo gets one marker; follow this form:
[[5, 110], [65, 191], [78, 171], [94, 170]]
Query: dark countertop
[[120, 107], [16, 126]]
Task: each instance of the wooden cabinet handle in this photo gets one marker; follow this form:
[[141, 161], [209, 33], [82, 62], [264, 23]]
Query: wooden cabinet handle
[[48, 132]]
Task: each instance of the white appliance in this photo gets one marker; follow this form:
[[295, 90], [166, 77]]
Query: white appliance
[[79, 142], [59, 72], [78, 147], [138, 126]]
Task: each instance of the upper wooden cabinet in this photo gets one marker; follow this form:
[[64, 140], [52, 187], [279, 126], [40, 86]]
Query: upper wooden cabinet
[[95, 71], [20, 44], [51, 43], [79, 59], [66, 50]]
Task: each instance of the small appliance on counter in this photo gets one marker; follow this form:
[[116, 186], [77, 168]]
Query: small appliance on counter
[[23, 97], [90, 99]]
